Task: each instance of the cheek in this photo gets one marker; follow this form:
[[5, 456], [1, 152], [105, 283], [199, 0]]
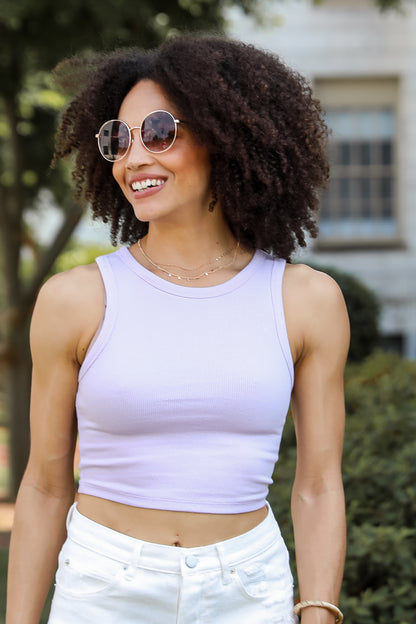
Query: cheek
[[118, 176], [198, 169], [117, 173]]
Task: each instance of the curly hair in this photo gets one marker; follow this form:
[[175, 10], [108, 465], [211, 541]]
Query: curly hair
[[257, 118]]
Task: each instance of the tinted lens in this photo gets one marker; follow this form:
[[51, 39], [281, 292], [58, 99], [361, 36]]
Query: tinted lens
[[158, 131], [114, 139]]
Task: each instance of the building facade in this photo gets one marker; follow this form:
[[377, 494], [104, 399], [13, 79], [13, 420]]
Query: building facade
[[362, 65]]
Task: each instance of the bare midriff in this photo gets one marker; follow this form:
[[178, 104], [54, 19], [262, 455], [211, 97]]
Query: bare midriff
[[173, 528]]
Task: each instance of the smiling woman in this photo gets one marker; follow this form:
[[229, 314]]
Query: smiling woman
[[175, 358], [183, 173]]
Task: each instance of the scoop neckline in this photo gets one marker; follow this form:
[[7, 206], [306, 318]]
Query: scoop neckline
[[200, 292]]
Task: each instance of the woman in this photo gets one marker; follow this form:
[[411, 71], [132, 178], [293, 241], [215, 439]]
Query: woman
[[173, 359]]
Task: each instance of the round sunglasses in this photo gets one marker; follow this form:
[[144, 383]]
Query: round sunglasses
[[158, 132]]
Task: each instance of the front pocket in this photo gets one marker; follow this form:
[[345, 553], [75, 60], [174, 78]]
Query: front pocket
[[251, 580], [83, 573]]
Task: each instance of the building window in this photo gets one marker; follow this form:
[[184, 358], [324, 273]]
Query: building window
[[359, 205]]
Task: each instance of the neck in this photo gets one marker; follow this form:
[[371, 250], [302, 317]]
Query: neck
[[188, 246]]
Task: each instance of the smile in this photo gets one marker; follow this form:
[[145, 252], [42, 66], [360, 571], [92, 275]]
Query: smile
[[145, 184]]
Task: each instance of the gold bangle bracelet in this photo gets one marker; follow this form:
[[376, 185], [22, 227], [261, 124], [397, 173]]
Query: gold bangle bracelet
[[339, 617]]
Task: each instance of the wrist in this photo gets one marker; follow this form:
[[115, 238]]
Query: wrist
[[316, 616], [318, 612]]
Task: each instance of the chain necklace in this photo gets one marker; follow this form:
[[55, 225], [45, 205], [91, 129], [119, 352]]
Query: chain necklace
[[193, 277], [217, 259]]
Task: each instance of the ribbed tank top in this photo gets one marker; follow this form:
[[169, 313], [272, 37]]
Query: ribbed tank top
[[183, 395]]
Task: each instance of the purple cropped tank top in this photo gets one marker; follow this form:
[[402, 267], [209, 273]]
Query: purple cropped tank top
[[183, 395]]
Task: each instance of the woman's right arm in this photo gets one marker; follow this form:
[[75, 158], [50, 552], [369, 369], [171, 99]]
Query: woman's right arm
[[60, 331]]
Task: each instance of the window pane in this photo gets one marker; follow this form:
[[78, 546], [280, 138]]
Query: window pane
[[324, 207], [386, 153], [345, 154], [344, 209], [386, 187], [344, 188], [361, 123], [386, 209], [365, 186], [365, 151], [365, 209], [359, 201]]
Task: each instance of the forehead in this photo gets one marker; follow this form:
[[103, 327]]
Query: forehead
[[146, 96]]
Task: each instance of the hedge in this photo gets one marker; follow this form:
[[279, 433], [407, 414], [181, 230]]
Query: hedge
[[379, 467]]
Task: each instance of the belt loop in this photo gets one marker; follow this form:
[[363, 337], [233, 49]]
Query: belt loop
[[225, 569], [70, 514], [137, 552], [130, 570]]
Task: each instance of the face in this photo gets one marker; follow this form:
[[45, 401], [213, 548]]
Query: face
[[180, 175]]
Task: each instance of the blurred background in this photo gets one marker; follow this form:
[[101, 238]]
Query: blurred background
[[360, 58]]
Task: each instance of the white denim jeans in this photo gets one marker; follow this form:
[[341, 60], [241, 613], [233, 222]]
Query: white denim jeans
[[106, 577]]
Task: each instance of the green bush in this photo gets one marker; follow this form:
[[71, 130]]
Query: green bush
[[76, 254], [379, 478], [363, 310]]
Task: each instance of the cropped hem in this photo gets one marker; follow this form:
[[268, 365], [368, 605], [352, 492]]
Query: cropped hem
[[167, 504]]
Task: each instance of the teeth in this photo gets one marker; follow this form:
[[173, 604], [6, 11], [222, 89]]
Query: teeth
[[144, 184]]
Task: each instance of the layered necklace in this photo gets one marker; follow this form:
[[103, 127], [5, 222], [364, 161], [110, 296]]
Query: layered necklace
[[188, 278]]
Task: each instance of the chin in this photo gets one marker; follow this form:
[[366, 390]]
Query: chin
[[147, 214]]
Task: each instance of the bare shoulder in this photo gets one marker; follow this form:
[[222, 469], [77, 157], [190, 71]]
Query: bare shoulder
[[307, 283], [315, 309], [70, 287], [69, 308], [70, 293]]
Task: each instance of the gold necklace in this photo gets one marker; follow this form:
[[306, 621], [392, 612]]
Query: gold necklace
[[193, 277], [217, 259]]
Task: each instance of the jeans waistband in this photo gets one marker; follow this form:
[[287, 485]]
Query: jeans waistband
[[132, 551]]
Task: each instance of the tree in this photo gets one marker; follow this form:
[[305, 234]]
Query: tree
[[383, 5], [35, 36], [386, 5]]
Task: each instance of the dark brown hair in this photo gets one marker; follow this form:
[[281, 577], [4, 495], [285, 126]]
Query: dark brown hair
[[258, 119]]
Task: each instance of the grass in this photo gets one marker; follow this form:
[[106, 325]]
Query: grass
[[3, 579]]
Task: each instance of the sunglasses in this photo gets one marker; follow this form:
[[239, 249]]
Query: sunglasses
[[158, 132]]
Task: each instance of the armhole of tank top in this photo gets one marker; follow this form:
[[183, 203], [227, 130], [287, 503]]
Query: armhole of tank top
[[110, 311], [278, 269]]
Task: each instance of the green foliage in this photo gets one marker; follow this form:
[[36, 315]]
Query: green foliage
[[387, 5], [383, 5], [379, 479], [363, 310], [76, 255]]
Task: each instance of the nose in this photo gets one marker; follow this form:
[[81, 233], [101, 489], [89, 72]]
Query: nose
[[137, 155]]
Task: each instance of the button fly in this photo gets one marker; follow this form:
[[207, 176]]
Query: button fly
[[191, 561]]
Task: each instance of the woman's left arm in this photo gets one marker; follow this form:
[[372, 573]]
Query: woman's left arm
[[318, 508]]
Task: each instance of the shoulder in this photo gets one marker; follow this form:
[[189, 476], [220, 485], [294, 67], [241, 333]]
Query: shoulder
[[69, 308], [315, 309], [308, 283], [65, 292]]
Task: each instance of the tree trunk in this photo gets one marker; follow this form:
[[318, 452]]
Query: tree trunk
[[14, 351], [15, 355], [17, 387]]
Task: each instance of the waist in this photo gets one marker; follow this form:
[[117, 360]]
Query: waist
[[170, 528]]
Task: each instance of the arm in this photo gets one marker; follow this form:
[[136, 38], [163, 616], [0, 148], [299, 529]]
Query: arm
[[59, 335], [321, 326]]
